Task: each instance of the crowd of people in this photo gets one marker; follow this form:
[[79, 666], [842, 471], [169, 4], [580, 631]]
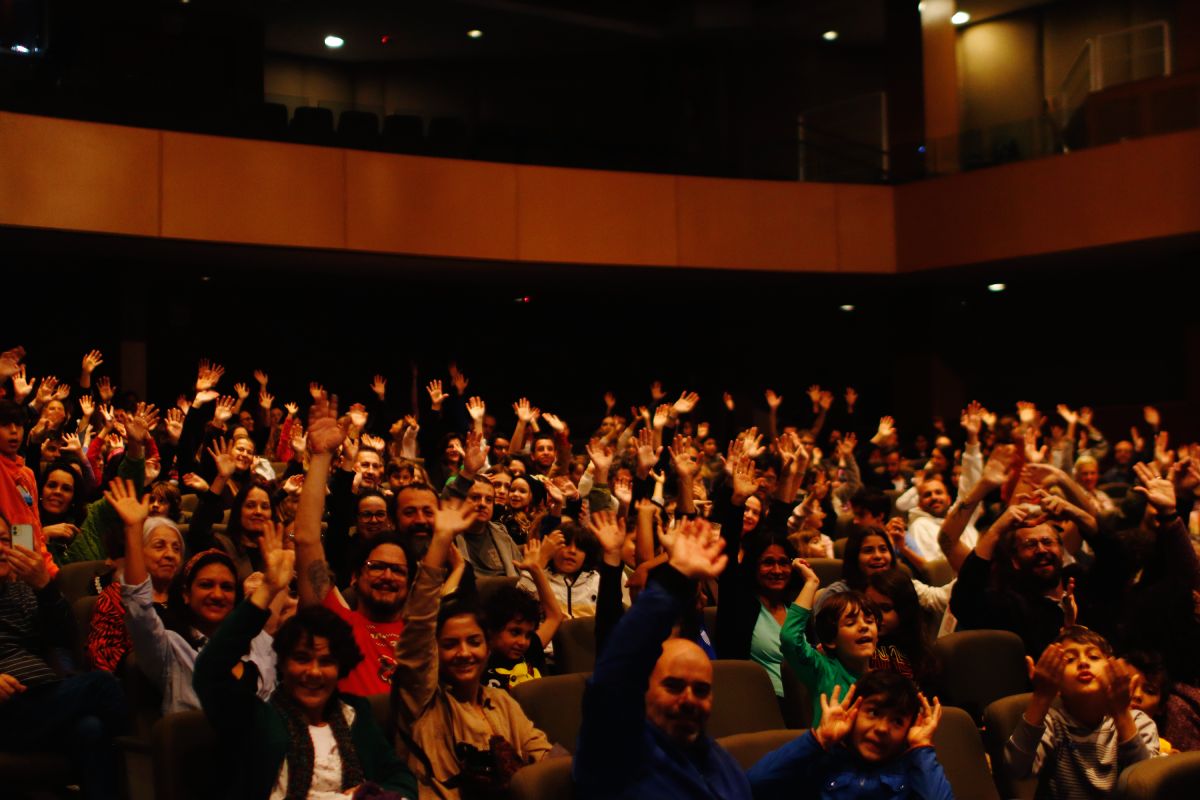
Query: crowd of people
[[276, 566]]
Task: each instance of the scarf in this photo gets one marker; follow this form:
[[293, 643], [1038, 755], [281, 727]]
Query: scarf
[[300, 755]]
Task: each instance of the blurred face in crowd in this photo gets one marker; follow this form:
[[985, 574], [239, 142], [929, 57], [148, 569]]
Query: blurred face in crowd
[[453, 453], [544, 453], [372, 518], [934, 499], [382, 582], [519, 494], [483, 497], [256, 510], [892, 464], [500, 484], [1123, 453], [513, 640], [889, 620], [55, 413], [568, 560], [415, 511], [874, 555], [211, 595], [774, 570], [246, 420], [937, 461], [243, 454], [163, 554], [1087, 474], [499, 449], [1037, 555], [752, 513], [369, 466], [400, 477], [309, 674], [11, 436], [679, 700], [58, 491]]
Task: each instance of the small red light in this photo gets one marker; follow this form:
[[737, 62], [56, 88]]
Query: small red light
[[385, 39]]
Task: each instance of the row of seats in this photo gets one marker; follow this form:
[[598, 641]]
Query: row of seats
[[400, 133]]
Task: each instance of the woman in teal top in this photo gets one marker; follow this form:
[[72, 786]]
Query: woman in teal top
[[846, 627]]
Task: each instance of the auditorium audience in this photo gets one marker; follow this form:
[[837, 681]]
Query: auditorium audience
[[1041, 530]]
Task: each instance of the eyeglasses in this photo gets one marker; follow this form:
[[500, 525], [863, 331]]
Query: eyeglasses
[[774, 562], [1028, 545], [379, 567], [372, 514]]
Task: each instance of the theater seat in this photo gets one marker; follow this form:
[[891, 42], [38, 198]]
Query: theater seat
[[829, 570], [185, 753], [1176, 776], [999, 721], [75, 580], [961, 753], [748, 748], [358, 129], [47, 772], [939, 572], [797, 707], [82, 609], [575, 645], [839, 547], [978, 667], [311, 125], [188, 503], [487, 586], [549, 779], [403, 133], [744, 700], [555, 705]]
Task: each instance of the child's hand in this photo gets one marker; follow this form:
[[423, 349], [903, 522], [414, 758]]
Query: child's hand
[[1120, 685], [1047, 674], [837, 718], [802, 567], [922, 730]]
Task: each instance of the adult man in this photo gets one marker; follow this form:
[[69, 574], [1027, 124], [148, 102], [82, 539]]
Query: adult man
[[416, 508], [379, 567], [647, 703], [933, 502], [485, 545]]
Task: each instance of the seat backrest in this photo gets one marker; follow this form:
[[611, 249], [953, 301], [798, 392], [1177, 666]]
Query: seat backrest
[[185, 753], [829, 570], [748, 748], [83, 608], [978, 667], [999, 721], [960, 751], [487, 586], [797, 704], [142, 698], [75, 580], [549, 779], [839, 547], [554, 705], [939, 572], [575, 645], [189, 502], [744, 699], [1177, 776]]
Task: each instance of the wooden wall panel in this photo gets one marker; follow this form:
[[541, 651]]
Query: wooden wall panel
[[866, 228], [78, 175]]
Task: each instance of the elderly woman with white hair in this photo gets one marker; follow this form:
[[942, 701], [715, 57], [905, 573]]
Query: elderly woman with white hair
[[1087, 475]]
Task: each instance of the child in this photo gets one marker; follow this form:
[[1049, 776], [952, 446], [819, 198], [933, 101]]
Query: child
[[1078, 746], [1150, 691], [847, 629], [517, 628], [879, 746], [904, 645]]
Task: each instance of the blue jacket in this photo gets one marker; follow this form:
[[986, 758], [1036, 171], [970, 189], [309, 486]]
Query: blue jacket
[[802, 768], [620, 753]]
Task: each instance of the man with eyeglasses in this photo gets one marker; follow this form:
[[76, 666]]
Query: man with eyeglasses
[[377, 562]]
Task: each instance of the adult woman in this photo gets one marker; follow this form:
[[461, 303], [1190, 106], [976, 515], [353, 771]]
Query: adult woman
[[253, 507], [309, 741], [459, 734], [60, 507], [870, 551], [199, 602]]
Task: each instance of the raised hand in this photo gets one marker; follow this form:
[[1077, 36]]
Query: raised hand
[[610, 401], [554, 422], [897, 530], [656, 391], [104, 389], [278, 562], [122, 496], [825, 400], [436, 395], [316, 391], [71, 445], [476, 408], [294, 484], [744, 479], [292, 409], [605, 526], [694, 550], [1066, 413], [847, 445], [727, 399], [1152, 417], [647, 453], [539, 554], [685, 466], [195, 483], [837, 717], [222, 455], [1026, 412], [358, 416], [208, 375], [21, 387], [299, 441], [373, 443], [686, 402], [139, 424], [1120, 685], [972, 419], [45, 392], [10, 362], [1047, 673], [452, 519], [325, 435], [1085, 416], [1034, 454], [752, 445], [920, 734], [243, 391], [1158, 491], [474, 453], [224, 410], [91, 360], [622, 489], [379, 386], [266, 399], [86, 406], [773, 400], [661, 415], [1069, 606], [458, 380], [523, 410], [1139, 444], [1163, 455], [408, 441], [814, 394], [851, 397], [601, 455], [802, 568], [261, 378], [887, 427], [1043, 474]]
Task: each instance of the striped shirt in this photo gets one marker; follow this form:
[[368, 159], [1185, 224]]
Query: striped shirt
[[22, 629], [1073, 760]]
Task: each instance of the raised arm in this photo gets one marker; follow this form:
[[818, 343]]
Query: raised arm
[[995, 474], [536, 556], [324, 437]]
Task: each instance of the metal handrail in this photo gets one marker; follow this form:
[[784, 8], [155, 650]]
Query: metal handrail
[[1068, 98]]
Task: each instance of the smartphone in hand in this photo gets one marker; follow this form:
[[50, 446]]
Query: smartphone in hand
[[22, 534]]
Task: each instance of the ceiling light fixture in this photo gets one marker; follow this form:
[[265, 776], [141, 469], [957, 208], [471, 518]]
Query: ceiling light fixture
[[475, 33], [830, 36], [960, 18], [847, 307], [334, 42], [996, 287]]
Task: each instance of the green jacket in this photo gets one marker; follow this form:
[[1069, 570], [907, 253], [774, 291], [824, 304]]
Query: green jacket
[[257, 731], [819, 672], [88, 545]]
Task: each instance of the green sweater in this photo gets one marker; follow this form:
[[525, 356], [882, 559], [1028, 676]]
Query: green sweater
[[258, 732], [88, 545], [819, 672]]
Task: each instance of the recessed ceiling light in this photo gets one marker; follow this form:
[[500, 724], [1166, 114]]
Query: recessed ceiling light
[[475, 33], [334, 42], [996, 287], [20, 48], [847, 307], [830, 36], [960, 18]]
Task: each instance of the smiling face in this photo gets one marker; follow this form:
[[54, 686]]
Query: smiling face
[[369, 466], [879, 733], [462, 651], [874, 555], [513, 640], [889, 619], [415, 512], [1087, 474], [774, 570], [58, 491], [519, 494], [163, 553], [679, 700], [751, 514], [372, 517], [569, 559], [382, 582], [243, 454], [1037, 555], [256, 510], [211, 596], [856, 638], [309, 674], [544, 453], [935, 500]]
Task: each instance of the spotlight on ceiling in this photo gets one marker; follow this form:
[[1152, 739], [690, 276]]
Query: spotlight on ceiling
[[475, 33], [996, 287], [830, 36], [960, 18], [847, 307], [334, 42]]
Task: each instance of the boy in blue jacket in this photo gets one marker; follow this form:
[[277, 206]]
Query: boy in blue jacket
[[879, 746]]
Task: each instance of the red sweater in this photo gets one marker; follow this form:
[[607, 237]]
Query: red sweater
[[19, 503]]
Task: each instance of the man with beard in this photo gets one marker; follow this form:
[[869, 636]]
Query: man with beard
[[934, 497], [416, 509], [379, 567], [486, 545]]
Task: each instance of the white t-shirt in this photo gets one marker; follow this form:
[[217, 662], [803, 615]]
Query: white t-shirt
[[327, 768]]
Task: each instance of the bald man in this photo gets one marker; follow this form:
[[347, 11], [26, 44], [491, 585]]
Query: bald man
[[648, 701]]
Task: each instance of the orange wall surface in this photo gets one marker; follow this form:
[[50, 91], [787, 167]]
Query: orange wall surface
[[108, 179]]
